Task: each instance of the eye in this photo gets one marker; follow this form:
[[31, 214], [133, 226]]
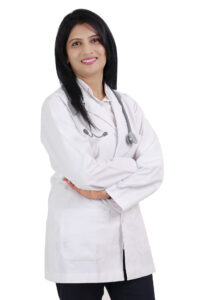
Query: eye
[[74, 43], [96, 39]]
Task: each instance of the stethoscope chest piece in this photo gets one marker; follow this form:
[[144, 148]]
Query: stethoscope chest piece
[[130, 139]]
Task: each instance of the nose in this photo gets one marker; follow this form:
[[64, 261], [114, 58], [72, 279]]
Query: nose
[[87, 49]]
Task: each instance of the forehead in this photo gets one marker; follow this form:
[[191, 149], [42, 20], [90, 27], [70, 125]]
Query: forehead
[[82, 30]]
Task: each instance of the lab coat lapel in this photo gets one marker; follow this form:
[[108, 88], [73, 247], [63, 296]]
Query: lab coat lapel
[[92, 105], [93, 109], [121, 127]]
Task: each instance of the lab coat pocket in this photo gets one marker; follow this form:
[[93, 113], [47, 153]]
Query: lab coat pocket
[[83, 234]]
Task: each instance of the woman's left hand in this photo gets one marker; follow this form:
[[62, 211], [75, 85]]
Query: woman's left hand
[[97, 195]]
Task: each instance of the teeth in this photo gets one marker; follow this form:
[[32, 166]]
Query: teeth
[[88, 60]]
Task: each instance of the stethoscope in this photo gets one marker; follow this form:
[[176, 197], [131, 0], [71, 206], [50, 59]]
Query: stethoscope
[[130, 137]]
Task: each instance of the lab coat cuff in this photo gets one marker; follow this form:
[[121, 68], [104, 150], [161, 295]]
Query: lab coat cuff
[[112, 191]]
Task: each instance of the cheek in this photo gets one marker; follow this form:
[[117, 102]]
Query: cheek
[[100, 48], [104, 53], [73, 56], [70, 53], [103, 50]]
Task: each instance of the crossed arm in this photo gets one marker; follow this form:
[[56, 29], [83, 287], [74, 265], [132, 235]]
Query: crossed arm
[[126, 180]]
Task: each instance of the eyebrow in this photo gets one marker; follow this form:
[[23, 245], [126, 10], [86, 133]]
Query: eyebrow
[[81, 39]]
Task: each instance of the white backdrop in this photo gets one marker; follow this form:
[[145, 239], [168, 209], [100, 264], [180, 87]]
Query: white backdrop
[[159, 66]]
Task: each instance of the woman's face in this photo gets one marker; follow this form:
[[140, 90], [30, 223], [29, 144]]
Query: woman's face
[[84, 42]]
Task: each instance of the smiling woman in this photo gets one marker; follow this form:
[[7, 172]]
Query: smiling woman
[[83, 34], [87, 56], [95, 234]]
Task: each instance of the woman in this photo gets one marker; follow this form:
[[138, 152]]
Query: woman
[[104, 166]]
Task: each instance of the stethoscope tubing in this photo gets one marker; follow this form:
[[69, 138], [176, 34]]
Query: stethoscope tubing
[[130, 137]]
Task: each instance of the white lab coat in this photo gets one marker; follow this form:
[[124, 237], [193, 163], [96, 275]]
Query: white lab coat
[[85, 238]]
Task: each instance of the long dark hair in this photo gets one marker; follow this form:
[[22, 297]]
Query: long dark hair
[[65, 73]]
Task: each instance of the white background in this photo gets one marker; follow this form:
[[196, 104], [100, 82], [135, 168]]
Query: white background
[[159, 66]]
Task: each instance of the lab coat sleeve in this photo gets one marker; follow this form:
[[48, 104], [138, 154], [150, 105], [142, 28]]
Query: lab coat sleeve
[[70, 152], [150, 169]]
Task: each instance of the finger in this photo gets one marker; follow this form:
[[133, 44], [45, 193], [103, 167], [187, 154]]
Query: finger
[[73, 186], [65, 179]]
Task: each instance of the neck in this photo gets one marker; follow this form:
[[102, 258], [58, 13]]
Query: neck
[[96, 85]]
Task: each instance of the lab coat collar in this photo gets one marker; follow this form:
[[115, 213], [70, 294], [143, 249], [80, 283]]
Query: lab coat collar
[[88, 90]]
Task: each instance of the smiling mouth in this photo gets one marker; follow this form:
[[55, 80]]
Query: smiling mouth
[[89, 61]]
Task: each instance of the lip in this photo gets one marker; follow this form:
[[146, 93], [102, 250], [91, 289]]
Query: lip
[[87, 58]]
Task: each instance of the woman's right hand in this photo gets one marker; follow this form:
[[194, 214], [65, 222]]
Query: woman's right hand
[[96, 195]]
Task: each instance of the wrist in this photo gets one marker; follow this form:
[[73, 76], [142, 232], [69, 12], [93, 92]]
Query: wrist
[[107, 195]]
